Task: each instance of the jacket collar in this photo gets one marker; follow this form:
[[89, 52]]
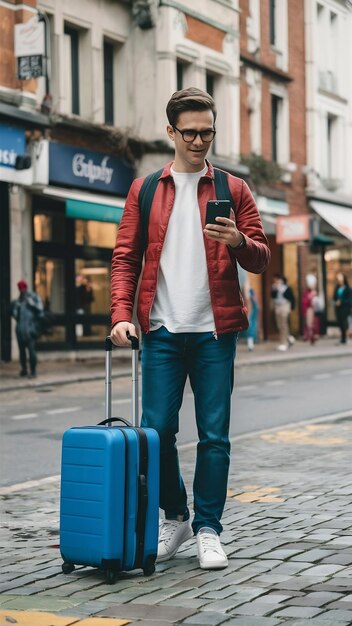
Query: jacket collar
[[167, 171]]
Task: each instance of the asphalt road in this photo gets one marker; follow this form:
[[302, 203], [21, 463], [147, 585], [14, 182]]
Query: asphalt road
[[32, 421]]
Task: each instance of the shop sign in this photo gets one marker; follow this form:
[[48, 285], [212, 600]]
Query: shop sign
[[30, 49], [77, 167], [292, 228], [12, 144]]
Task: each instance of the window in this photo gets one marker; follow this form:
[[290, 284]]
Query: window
[[253, 26], [180, 75], [108, 83], [272, 17], [332, 129], [72, 61], [276, 106], [210, 84]]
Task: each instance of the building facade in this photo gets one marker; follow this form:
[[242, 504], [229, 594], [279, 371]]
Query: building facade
[[328, 34], [100, 115]]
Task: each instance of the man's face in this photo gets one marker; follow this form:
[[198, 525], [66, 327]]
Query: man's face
[[189, 157]]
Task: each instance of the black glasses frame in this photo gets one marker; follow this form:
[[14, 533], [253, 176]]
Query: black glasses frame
[[201, 134]]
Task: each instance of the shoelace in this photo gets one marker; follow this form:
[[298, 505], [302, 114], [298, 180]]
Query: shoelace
[[210, 542], [167, 530]]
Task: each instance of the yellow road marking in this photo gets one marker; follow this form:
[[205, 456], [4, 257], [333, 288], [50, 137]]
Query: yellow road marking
[[256, 494], [40, 618]]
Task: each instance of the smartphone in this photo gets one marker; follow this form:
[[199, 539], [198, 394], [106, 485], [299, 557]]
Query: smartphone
[[217, 208]]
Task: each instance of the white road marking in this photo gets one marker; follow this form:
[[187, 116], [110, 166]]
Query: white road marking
[[122, 401], [344, 372], [274, 383], [69, 409], [29, 484], [245, 387], [321, 376], [25, 416]]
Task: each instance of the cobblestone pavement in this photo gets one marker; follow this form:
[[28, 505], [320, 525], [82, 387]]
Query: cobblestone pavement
[[287, 532]]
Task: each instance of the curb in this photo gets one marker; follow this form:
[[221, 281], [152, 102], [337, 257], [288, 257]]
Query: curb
[[273, 359]]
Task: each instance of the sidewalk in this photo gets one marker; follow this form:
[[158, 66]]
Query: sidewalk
[[58, 372], [287, 531]]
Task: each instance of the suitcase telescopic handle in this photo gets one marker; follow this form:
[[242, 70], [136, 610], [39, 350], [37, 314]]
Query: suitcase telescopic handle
[[108, 375]]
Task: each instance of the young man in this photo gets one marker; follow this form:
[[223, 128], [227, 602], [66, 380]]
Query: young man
[[190, 310]]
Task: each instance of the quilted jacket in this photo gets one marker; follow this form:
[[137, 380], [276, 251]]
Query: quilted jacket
[[229, 310]]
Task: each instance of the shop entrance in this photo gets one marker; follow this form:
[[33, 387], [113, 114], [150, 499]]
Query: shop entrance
[[72, 260]]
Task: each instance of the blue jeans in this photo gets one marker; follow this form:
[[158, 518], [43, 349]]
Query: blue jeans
[[167, 359]]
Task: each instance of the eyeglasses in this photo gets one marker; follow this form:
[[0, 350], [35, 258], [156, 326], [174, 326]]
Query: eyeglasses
[[190, 135]]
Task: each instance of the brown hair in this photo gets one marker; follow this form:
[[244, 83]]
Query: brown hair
[[191, 99]]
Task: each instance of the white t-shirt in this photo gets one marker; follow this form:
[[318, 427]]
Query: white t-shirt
[[182, 302]]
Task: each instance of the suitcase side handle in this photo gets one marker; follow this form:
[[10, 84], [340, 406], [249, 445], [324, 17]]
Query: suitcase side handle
[[114, 419]]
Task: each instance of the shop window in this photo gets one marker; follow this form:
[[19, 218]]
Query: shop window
[[49, 226], [337, 260], [92, 296], [50, 283], [91, 233]]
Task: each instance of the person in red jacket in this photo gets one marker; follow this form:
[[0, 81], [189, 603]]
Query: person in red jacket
[[190, 310]]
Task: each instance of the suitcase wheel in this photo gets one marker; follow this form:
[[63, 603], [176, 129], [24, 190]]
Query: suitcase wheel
[[67, 567], [110, 576], [148, 570]]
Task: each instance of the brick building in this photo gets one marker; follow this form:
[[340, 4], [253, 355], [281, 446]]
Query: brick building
[[273, 127]]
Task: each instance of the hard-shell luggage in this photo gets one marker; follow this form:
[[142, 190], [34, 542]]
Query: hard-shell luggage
[[109, 503]]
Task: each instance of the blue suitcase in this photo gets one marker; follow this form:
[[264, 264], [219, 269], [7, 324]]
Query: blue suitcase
[[109, 502]]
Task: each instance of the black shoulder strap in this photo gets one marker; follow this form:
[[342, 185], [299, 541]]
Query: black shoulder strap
[[145, 201], [148, 189], [222, 188]]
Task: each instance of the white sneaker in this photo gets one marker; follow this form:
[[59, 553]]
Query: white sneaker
[[172, 534], [291, 340], [210, 552], [282, 347]]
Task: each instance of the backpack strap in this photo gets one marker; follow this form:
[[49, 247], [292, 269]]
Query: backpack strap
[[148, 189], [145, 201], [222, 188]]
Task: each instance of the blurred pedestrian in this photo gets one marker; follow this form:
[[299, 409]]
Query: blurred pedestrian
[[343, 303], [252, 331], [84, 299], [283, 302], [27, 310], [311, 306], [190, 310]]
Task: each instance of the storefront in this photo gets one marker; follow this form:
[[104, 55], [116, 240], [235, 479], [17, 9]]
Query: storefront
[[16, 175], [75, 222], [332, 252]]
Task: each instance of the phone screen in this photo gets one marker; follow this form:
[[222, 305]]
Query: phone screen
[[217, 208]]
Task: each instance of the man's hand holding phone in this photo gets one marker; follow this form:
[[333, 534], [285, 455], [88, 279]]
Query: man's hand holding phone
[[221, 228], [119, 334]]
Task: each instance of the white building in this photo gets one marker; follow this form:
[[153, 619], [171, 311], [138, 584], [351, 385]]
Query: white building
[[328, 35]]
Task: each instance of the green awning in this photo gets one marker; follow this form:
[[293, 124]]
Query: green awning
[[78, 209]]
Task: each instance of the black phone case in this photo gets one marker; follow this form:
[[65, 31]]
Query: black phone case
[[217, 208]]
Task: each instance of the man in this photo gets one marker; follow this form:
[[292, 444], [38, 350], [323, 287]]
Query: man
[[26, 310], [283, 303], [190, 310]]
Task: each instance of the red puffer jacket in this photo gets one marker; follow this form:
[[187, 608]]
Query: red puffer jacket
[[229, 311]]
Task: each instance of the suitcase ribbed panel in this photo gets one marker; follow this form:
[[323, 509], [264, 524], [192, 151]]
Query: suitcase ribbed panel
[[152, 519], [92, 495]]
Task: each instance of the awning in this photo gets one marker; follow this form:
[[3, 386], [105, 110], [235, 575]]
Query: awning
[[88, 206], [339, 217]]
